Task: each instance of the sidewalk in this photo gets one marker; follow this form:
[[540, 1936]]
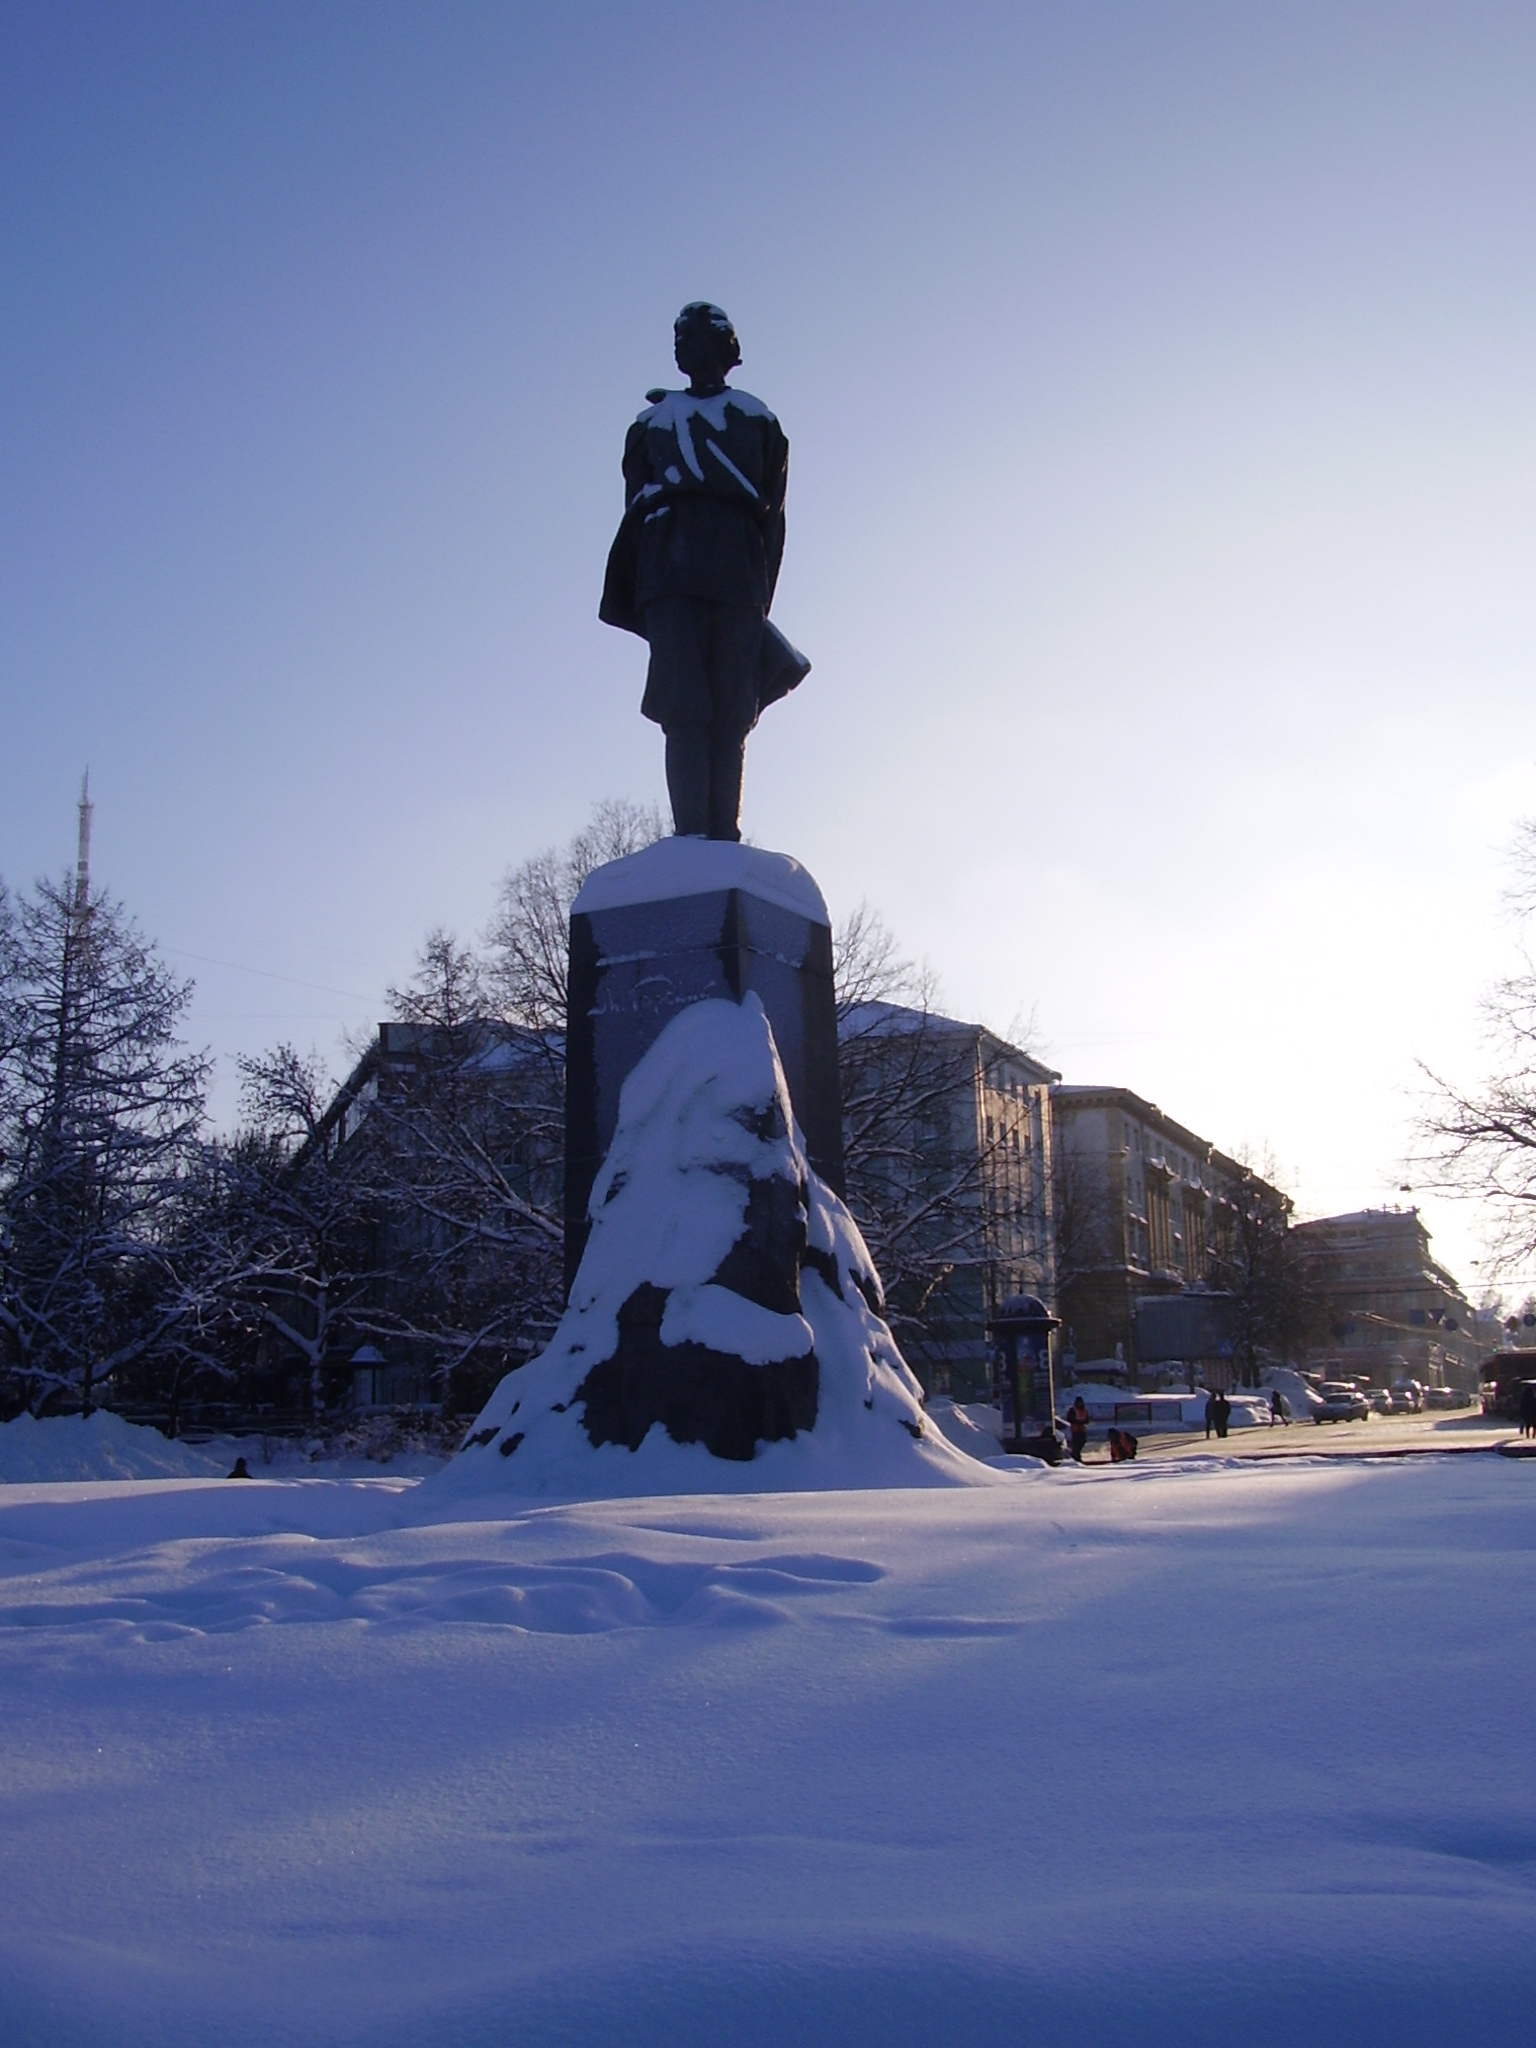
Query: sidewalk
[[1383, 1436]]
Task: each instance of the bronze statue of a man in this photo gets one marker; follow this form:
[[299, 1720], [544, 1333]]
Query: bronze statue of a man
[[693, 569]]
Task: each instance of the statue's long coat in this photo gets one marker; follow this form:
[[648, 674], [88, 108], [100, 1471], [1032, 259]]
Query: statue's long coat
[[704, 484]]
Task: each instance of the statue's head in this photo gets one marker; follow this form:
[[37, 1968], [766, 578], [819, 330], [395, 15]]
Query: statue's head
[[704, 344]]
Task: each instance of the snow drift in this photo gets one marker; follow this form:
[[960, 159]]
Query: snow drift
[[1303, 1400], [98, 1446], [303, 1765], [724, 1327]]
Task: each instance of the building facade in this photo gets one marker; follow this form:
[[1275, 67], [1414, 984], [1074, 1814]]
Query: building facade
[[1143, 1206], [947, 1142], [1388, 1308]]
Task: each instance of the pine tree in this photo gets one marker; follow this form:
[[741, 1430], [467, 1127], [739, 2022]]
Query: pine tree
[[100, 1112]]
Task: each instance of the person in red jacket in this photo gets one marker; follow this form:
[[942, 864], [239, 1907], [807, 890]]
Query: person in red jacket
[[1077, 1428]]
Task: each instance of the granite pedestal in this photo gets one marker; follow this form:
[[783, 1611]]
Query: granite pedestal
[[683, 921]]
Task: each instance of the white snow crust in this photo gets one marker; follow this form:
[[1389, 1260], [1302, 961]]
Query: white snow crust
[[1158, 1756], [701, 867], [667, 1205], [722, 1320]]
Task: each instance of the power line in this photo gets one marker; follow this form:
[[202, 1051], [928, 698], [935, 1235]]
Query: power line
[[268, 974]]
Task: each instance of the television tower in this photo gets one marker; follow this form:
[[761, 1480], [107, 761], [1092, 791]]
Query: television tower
[[83, 848]]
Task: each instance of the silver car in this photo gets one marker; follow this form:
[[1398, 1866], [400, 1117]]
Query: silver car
[[1341, 1403]]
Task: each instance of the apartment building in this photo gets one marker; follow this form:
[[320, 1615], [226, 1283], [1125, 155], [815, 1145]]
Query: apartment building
[[1387, 1306], [1142, 1205], [947, 1140]]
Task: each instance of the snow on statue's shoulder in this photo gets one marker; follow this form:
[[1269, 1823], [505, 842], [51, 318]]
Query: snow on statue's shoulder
[[701, 867], [671, 409], [724, 1330]]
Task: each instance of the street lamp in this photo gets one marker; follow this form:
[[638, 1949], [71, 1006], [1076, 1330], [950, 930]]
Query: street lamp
[[1025, 1385]]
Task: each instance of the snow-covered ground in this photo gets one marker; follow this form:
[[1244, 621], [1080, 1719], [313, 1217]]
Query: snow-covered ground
[[1211, 1752]]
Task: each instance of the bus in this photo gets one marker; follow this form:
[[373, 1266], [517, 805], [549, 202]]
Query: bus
[[1503, 1376]]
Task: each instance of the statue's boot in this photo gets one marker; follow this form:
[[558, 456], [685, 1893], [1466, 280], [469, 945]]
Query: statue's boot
[[704, 782], [727, 752], [688, 780]]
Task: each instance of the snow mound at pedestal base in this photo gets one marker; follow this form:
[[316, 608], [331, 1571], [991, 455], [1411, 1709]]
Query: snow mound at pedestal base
[[724, 1327]]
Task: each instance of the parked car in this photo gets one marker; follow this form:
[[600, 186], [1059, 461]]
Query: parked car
[[1380, 1399], [1403, 1399], [1446, 1397], [1342, 1403]]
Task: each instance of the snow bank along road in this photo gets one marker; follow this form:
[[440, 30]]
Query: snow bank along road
[[1209, 1755]]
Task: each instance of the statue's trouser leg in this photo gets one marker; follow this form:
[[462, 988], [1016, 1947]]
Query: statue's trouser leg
[[702, 688], [736, 644], [688, 779]]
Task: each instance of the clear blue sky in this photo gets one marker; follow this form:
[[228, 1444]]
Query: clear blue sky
[[1162, 504]]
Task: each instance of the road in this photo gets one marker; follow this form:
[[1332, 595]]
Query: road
[[1395, 1434]]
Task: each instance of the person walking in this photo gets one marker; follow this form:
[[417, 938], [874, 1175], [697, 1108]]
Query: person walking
[[1210, 1415], [1277, 1408], [1528, 1408], [1223, 1416], [1077, 1428]]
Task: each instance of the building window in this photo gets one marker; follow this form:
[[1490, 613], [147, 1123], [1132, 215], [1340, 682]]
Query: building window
[[1159, 1227]]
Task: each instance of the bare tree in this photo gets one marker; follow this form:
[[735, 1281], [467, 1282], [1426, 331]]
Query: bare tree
[[529, 934], [15, 1007], [415, 1209], [418, 1207], [463, 1145], [194, 1355], [448, 989], [1479, 1141], [868, 967], [297, 1258], [1258, 1263], [100, 1111]]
